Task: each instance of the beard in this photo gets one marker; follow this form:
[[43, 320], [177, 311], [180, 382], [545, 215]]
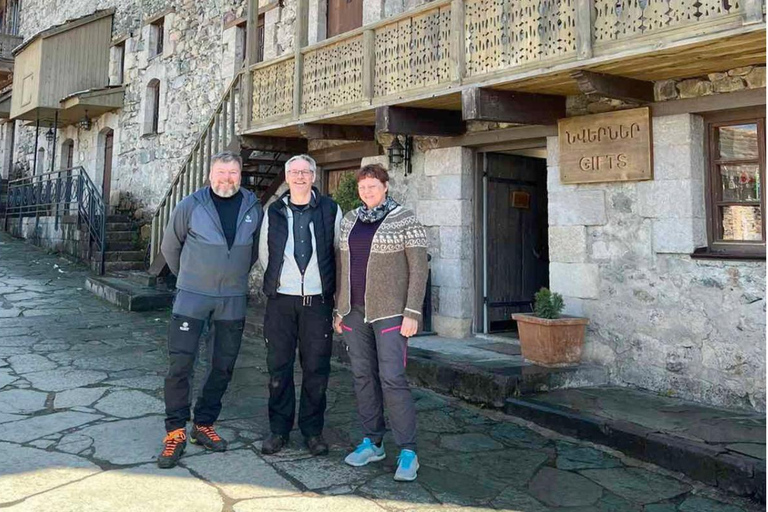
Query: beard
[[225, 190]]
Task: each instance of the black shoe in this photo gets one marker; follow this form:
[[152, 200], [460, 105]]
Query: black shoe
[[273, 444], [317, 445], [207, 437], [173, 446]]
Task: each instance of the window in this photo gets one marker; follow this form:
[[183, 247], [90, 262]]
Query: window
[[260, 39], [156, 37], [152, 108], [117, 64], [735, 184]]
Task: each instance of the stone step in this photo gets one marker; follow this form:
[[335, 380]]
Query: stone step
[[120, 246], [719, 447], [124, 256], [121, 236], [119, 226], [115, 217], [129, 295], [110, 266]]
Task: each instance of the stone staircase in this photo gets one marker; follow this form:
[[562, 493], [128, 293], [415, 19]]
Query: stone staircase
[[123, 250]]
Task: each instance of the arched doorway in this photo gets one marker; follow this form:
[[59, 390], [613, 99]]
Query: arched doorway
[[67, 154]]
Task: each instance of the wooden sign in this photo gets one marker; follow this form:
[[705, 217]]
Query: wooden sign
[[615, 146]]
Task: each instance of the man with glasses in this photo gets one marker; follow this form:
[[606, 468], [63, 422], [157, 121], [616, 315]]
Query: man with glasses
[[299, 237]]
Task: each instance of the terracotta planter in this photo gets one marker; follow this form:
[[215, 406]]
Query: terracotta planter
[[551, 342]]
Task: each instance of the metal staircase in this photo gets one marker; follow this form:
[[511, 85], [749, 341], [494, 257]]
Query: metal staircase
[[261, 170]]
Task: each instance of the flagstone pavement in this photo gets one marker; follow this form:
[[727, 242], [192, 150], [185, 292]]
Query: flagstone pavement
[[81, 423]]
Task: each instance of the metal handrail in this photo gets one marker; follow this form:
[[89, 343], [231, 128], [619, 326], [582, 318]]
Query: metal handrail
[[59, 193]]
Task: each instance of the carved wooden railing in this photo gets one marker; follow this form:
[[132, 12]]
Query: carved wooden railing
[[446, 43], [220, 132]]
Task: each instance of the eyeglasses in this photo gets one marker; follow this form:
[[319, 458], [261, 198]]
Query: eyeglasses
[[298, 173]]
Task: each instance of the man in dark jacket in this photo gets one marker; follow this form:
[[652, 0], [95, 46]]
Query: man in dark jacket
[[210, 243], [299, 236]]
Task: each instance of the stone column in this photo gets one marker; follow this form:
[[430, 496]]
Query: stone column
[[445, 209], [317, 26]]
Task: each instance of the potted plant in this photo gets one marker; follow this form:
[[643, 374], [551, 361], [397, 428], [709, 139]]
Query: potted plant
[[546, 337]]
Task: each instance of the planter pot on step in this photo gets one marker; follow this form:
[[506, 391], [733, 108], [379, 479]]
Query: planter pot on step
[[551, 342]]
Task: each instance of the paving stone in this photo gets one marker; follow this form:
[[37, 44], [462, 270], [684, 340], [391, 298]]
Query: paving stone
[[6, 377], [77, 397], [637, 485], [439, 421], [563, 489], [514, 435], [129, 404], [13, 351], [63, 379], [5, 418], [74, 443], [309, 504], [727, 430], [515, 499], [9, 312], [30, 363], [506, 467], [42, 443], [127, 441], [458, 489], [29, 471], [22, 401], [18, 341], [396, 496], [40, 426], [753, 450], [701, 504], [469, 443], [571, 456], [660, 507], [148, 382], [320, 472], [50, 347], [240, 474], [117, 490]]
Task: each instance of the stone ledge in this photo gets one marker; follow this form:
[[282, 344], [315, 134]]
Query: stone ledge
[[711, 464], [129, 295]]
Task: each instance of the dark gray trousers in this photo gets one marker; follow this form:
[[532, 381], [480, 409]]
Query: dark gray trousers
[[378, 354], [191, 311]]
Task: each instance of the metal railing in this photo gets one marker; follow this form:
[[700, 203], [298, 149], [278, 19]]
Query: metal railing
[[66, 192], [218, 134]]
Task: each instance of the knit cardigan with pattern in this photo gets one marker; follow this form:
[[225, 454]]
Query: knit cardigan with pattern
[[396, 278]]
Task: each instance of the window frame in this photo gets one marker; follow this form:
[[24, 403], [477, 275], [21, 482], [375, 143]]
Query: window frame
[[153, 106], [717, 247], [157, 37]]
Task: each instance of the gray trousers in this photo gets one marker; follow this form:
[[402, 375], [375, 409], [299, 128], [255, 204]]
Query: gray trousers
[[378, 353]]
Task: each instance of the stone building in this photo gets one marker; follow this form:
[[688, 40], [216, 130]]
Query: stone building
[[461, 100]]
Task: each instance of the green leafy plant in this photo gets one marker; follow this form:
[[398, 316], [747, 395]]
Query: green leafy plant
[[346, 195], [547, 304]]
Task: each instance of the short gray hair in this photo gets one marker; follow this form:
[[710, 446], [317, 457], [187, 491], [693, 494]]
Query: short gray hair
[[225, 157], [306, 158]]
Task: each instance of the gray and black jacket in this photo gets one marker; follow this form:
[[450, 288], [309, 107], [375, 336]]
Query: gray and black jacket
[[196, 250]]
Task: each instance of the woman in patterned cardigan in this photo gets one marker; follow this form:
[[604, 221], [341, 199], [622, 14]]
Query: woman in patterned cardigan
[[382, 277]]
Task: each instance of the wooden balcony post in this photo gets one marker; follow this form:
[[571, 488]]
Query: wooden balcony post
[[369, 63], [458, 41], [753, 11], [251, 54], [299, 41], [584, 25]]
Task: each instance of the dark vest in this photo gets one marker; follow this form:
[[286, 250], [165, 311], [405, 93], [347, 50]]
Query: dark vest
[[323, 218]]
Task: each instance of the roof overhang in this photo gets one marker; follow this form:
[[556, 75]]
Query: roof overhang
[[93, 102]]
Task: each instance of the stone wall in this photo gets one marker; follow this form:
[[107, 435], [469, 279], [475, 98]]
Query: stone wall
[[659, 319], [197, 64], [62, 236]]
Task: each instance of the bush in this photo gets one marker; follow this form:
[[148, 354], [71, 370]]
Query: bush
[[547, 304], [346, 195]]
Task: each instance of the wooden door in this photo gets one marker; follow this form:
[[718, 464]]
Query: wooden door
[[68, 155], [516, 239], [344, 15], [107, 181]]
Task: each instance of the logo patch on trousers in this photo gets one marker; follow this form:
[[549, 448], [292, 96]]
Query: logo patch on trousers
[[184, 327]]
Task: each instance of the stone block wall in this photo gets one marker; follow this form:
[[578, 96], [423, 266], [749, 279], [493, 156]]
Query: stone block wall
[[659, 319], [45, 232]]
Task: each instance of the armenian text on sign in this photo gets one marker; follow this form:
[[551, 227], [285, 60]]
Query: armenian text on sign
[[615, 146]]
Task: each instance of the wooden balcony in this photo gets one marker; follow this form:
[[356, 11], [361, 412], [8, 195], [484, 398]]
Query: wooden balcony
[[425, 57]]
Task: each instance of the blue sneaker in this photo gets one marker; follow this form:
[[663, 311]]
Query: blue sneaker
[[407, 466], [364, 453]]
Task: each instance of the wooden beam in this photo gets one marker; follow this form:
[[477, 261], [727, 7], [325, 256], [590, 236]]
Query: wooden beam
[[281, 144], [419, 121], [336, 132], [584, 28], [612, 86], [479, 104]]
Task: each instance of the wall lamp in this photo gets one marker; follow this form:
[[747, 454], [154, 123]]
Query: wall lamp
[[400, 152]]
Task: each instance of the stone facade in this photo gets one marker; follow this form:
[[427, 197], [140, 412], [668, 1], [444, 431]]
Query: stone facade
[[659, 319]]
